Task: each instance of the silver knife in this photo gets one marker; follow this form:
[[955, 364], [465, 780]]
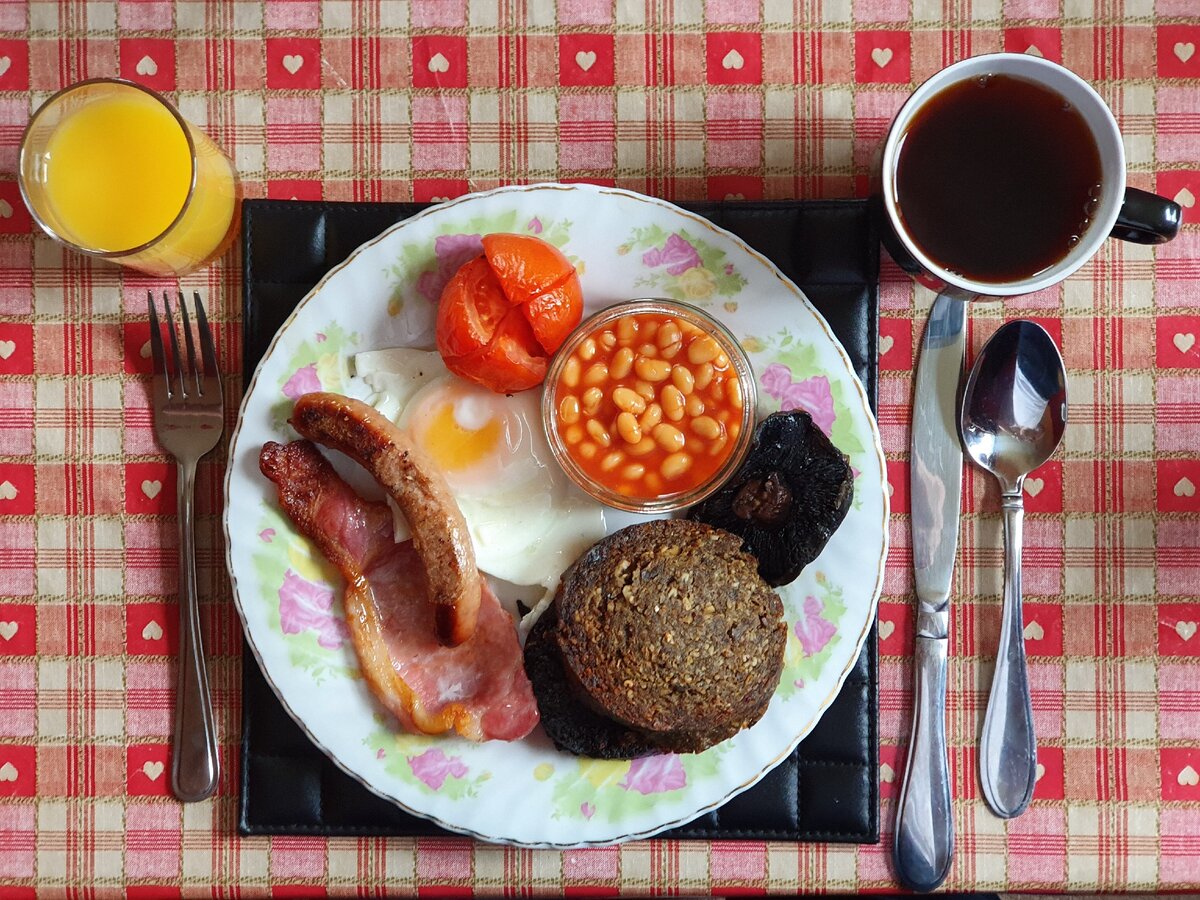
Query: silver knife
[[924, 819]]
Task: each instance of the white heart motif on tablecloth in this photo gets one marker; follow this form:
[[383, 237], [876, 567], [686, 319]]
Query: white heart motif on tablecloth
[[1184, 341], [152, 632], [152, 770], [1034, 631], [5, 64], [151, 488], [1034, 486], [1187, 776], [7, 349], [886, 773], [145, 351], [733, 60], [8, 772], [735, 196], [1039, 773], [1186, 630], [1184, 487], [1185, 198], [292, 62], [886, 343], [585, 59], [8, 491], [881, 56], [886, 628], [1032, 50], [6, 209], [438, 63], [8, 630], [1184, 51], [146, 66]]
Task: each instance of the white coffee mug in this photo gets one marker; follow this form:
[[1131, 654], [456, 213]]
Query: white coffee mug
[[1125, 213]]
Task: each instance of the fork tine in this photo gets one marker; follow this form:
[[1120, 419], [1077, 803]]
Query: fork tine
[[193, 368], [206, 341], [178, 360], [156, 345]]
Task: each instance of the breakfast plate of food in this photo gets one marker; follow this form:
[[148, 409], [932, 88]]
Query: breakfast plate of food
[[556, 515]]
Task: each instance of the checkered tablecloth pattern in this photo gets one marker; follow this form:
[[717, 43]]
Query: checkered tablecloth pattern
[[684, 99]]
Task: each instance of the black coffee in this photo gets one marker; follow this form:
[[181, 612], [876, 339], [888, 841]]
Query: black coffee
[[997, 178]]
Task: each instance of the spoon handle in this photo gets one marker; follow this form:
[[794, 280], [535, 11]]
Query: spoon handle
[[1008, 747]]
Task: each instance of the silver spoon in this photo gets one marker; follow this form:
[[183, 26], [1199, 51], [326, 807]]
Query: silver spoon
[[1014, 412]]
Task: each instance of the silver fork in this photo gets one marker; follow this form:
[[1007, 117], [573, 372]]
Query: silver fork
[[188, 418]]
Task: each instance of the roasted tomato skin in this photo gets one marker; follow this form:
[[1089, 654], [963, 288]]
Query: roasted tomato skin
[[506, 311]]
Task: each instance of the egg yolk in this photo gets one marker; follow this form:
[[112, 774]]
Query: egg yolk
[[456, 447]]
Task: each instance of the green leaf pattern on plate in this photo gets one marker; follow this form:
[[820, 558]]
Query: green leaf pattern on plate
[[614, 789], [429, 769], [681, 266], [319, 363]]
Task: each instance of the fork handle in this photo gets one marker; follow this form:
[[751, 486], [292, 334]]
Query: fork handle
[[194, 765]]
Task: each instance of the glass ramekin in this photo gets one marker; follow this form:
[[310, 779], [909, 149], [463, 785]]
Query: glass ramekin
[[675, 500]]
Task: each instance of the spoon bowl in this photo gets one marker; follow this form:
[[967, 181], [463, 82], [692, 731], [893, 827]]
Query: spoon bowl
[[1013, 415]]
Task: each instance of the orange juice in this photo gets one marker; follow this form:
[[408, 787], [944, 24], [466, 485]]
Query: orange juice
[[118, 172], [109, 168]]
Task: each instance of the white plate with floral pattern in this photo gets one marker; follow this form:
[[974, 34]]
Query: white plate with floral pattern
[[525, 792]]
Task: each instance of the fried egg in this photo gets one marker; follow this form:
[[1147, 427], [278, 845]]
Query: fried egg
[[527, 521]]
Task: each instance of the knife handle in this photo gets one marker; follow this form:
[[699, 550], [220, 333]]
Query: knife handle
[[924, 819]]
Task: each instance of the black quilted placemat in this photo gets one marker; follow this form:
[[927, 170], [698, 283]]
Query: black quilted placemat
[[828, 789]]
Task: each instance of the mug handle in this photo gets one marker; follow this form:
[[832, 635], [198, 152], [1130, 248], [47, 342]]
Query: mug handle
[[1147, 218]]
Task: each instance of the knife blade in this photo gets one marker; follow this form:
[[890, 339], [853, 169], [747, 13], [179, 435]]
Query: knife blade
[[924, 841]]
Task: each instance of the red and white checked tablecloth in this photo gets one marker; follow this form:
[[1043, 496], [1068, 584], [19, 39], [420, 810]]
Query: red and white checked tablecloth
[[684, 99]]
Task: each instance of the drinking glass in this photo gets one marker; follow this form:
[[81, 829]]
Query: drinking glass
[[110, 169]]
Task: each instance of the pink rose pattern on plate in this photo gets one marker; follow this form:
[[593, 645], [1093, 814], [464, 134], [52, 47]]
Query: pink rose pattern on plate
[[307, 606], [813, 630], [813, 395], [655, 774], [451, 250], [433, 767], [303, 381]]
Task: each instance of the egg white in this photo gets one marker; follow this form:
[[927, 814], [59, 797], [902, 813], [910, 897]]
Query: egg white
[[528, 522]]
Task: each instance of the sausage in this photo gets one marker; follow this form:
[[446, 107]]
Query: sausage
[[439, 531]]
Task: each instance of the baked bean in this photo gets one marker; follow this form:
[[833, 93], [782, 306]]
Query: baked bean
[[706, 426], [733, 390], [694, 405], [597, 373], [682, 378], [672, 403], [702, 350], [611, 461], [722, 361], [622, 363], [654, 482], [734, 428], [587, 349], [718, 446], [675, 465], [599, 434], [588, 450], [668, 437], [645, 388], [568, 409], [651, 417], [648, 329], [574, 434], [633, 471], [652, 369], [668, 333], [671, 350], [628, 401], [627, 328], [608, 339], [628, 428], [644, 446], [648, 350], [703, 376], [571, 371], [591, 400]]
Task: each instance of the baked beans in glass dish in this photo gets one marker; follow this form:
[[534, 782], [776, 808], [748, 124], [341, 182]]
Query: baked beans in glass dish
[[649, 405]]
